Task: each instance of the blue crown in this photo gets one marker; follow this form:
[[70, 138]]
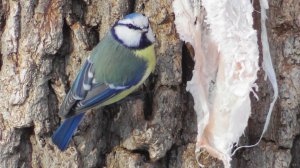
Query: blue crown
[[132, 15]]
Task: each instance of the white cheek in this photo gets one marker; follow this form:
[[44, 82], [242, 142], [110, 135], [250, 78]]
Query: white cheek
[[150, 35], [130, 38]]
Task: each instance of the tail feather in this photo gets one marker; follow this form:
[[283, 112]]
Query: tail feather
[[64, 133]]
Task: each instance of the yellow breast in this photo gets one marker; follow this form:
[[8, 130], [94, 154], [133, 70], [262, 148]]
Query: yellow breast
[[149, 55]]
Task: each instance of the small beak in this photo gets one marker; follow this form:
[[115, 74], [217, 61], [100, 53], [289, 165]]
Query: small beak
[[144, 30]]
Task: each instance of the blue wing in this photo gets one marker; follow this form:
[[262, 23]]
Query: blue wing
[[84, 95], [102, 92], [78, 90]]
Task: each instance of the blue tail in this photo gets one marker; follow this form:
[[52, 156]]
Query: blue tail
[[64, 133]]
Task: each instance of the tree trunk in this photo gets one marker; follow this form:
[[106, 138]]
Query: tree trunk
[[44, 43]]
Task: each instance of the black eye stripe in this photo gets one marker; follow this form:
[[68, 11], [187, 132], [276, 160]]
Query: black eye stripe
[[130, 26]]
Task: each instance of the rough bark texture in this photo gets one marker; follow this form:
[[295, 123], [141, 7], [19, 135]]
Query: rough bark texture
[[44, 43]]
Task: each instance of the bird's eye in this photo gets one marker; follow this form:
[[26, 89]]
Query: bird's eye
[[130, 26]]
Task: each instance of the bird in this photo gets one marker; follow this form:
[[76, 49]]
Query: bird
[[117, 66]]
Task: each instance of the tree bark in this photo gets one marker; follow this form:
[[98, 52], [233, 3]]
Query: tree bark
[[44, 43]]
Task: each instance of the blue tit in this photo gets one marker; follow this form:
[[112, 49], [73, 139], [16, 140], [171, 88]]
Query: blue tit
[[117, 66]]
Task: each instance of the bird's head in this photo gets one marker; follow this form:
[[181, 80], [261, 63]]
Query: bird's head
[[133, 31]]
